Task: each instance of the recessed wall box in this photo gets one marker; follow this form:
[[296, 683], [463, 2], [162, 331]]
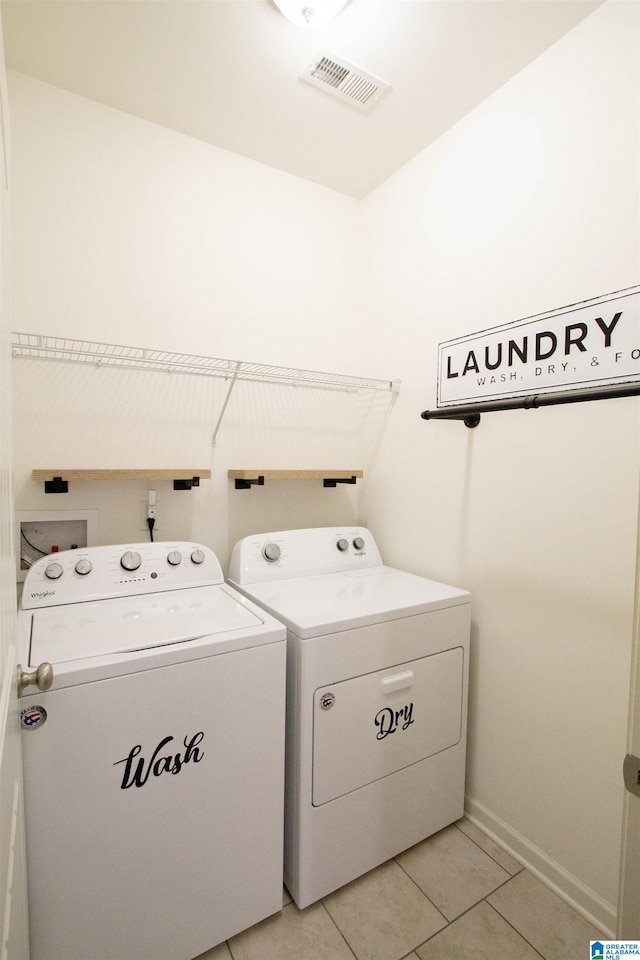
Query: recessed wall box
[[38, 531]]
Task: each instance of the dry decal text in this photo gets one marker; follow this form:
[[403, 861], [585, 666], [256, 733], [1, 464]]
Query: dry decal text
[[389, 720]]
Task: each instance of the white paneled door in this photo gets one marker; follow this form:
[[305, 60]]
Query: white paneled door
[[629, 896], [13, 897]]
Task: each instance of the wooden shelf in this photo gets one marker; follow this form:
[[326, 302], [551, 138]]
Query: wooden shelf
[[245, 479], [75, 474], [56, 481]]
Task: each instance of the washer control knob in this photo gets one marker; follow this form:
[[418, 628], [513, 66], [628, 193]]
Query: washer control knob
[[358, 543], [271, 552], [52, 571], [197, 556], [174, 558], [342, 545], [83, 567], [130, 560]]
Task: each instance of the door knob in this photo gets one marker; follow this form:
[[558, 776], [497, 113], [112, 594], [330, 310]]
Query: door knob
[[42, 678], [631, 774]]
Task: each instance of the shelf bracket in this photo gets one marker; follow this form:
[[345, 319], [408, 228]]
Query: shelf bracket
[[328, 482], [57, 485], [186, 484], [247, 484]]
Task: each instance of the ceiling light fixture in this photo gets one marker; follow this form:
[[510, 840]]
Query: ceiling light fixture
[[310, 13]]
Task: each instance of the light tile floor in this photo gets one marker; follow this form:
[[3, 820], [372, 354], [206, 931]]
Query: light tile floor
[[455, 896]]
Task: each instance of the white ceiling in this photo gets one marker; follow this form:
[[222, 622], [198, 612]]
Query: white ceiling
[[226, 71]]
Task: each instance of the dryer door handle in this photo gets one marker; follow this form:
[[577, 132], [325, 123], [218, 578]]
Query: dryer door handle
[[399, 681]]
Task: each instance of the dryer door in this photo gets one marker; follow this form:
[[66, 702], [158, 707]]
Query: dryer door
[[367, 727]]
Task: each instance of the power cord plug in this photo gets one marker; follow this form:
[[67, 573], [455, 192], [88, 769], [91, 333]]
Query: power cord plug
[[151, 522]]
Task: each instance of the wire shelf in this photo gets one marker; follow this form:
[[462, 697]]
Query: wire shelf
[[114, 355]]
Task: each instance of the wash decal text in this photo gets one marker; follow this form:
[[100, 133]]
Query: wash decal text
[[164, 759]]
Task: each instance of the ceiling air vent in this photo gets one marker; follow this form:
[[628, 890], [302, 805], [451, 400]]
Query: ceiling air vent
[[345, 81]]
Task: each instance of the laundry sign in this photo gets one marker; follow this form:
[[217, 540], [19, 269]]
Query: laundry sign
[[584, 345]]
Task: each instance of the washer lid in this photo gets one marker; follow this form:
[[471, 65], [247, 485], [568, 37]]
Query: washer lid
[[313, 606], [125, 624]]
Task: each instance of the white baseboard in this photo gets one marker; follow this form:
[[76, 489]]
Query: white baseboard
[[592, 907]]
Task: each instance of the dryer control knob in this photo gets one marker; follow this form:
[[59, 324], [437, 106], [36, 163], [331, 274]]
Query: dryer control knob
[[53, 570], [83, 567], [130, 560], [174, 558], [358, 543], [271, 552], [342, 545], [197, 556]]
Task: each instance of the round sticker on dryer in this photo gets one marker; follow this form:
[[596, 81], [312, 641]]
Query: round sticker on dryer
[[32, 717]]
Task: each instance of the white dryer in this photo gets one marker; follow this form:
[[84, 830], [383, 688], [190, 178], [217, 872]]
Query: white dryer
[[377, 676], [154, 764]]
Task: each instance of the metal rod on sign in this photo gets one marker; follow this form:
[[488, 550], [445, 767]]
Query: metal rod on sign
[[471, 413]]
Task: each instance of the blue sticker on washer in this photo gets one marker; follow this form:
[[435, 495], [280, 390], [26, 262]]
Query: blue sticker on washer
[[33, 717]]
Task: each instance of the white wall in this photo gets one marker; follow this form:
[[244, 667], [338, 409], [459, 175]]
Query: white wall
[[191, 247], [128, 233], [529, 203], [7, 560]]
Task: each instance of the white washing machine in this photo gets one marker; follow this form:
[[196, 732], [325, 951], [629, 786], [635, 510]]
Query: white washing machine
[[154, 764], [377, 675]]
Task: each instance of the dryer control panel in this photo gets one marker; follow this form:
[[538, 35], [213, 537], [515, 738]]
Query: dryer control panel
[[284, 554], [97, 573]]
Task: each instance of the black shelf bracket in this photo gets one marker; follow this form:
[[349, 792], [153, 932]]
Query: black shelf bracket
[[470, 414], [57, 485], [247, 484], [186, 484], [329, 482]]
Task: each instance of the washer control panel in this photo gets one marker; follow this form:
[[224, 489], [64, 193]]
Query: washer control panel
[[96, 573], [302, 553]]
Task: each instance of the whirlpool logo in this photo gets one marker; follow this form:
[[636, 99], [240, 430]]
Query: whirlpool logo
[[41, 594]]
